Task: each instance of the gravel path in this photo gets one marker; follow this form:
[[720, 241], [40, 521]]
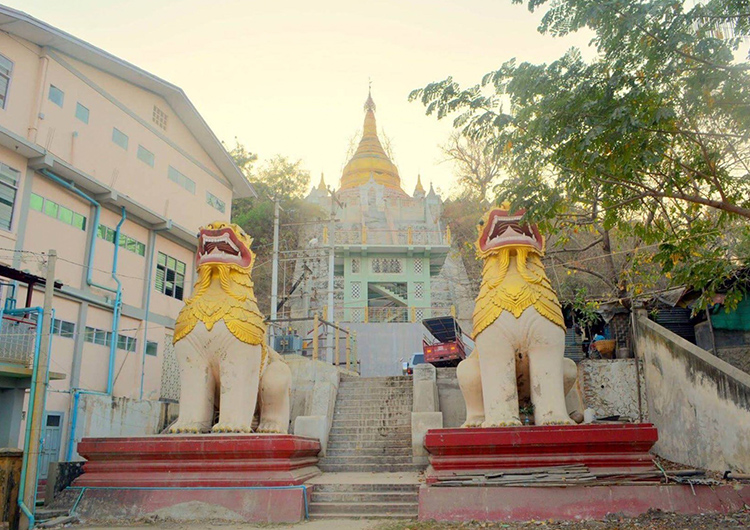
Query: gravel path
[[650, 521]]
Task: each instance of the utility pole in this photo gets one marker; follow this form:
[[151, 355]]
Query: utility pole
[[41, 380], [331, 252], [275, 267]]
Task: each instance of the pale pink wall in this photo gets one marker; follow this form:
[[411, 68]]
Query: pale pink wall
[[22, 90], [93, 151], [44, 232]]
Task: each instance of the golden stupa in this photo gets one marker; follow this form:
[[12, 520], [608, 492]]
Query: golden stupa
[[370, 159]]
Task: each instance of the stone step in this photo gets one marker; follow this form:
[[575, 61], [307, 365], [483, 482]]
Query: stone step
[[376, 439], [356, 460], [366, 422], [402, 389], [364, 496], [368, 445], [370, 407], [335, 457], [381, 516], [402, 428], [369, 468], [346, 443], [373, 488], [379, 451], [378, 508], [347, 378]]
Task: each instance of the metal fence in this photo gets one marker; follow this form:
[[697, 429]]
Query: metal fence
[[17, 340]]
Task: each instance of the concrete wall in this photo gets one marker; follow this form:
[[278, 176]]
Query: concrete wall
[[314, 387], [731, 346], [100, 416], [699, 404], [610, 388], [381, 346], [451, 400]]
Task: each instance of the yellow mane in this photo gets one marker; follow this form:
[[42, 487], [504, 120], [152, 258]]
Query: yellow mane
[[513, 279]]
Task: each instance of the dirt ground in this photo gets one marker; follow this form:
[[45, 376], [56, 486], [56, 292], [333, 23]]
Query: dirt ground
[[650, 521]]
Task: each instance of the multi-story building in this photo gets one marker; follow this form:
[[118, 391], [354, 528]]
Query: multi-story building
[[90, 143]]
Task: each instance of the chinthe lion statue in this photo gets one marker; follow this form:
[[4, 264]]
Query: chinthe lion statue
[[220, 344], [519, 332]]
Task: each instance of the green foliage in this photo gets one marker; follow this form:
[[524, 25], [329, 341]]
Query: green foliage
[[650, 138], [243, 158], [284, 178], [287, 181]]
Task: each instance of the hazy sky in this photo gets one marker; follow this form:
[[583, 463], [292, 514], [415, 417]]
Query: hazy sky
[[291, 77]]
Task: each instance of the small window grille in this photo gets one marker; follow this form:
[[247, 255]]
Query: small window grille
[[418, 266], [418, 314], [355, 265], [356, 290], [357, 315], [419, 290], [387, 266], [159, 117]]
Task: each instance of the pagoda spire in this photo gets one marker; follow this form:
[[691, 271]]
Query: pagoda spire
[[370, 159], [419, 189], [322, 185]]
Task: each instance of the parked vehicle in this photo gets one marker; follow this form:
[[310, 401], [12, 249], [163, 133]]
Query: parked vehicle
[[445, 345], [407, 367]]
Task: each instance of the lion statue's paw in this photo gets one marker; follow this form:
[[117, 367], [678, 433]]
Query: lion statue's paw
[[271, 427], [555, 421], [231, 427], [513, 422], [187, 428], [471, 423]]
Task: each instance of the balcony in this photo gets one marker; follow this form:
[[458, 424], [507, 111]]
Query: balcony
[[17, 340]]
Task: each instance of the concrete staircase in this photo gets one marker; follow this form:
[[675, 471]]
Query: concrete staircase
[[371, 428], [368, 463], [364, 500]]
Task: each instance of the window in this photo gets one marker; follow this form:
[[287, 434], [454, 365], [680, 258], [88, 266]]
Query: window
[[63, 328], [355, 265], [170, 276], [8, 188], [36, 202], [101, 337], [128, 243], [126, 343], [56, 95], [418, 266], [159, 117], [82, 113], [6, 68], [418, 290], [152, 348], [120, 138], [387, 265], [214, 201], [182, 180], [145, 155], [51, 208]]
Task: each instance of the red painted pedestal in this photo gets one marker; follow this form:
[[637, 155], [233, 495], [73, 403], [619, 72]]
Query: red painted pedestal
[[256, 477], [616, 446], [621, 447]]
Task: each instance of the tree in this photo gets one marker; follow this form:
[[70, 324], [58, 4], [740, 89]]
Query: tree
[[650, 137], [477, 166], [277, 178], [243, 158], [284, 178]]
